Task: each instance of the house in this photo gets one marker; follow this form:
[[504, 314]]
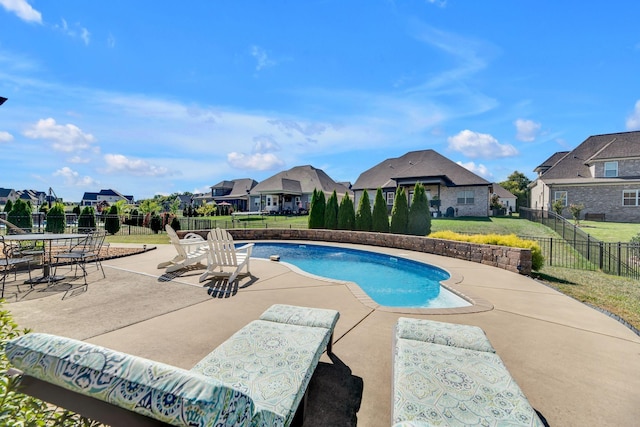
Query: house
[[234, 193], [505, 197], [456, 187], [7, 194], [291, 190], [602, 173], [104, 198]]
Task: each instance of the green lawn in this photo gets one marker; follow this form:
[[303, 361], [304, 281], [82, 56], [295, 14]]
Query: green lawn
[[615, 294]]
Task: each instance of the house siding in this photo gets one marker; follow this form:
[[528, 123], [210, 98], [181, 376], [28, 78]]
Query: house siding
[[626, 168], [605, 199]]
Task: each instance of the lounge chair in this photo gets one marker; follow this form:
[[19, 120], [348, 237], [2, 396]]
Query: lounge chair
[[446, 374], [192, 249], [224, 258], [258, 377]]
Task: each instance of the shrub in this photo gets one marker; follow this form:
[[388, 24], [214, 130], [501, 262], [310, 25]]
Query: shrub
[[380, 217], [510, 240], [87, 220], [346, 214], [318, 204], [76, 210], [20, 215], [112, 221], [8, 206], [419, 222], [558, 207], [399, 213], [155, 223], [56, 222], [331, 212], [364, 219], [175, 223], [575, 210]]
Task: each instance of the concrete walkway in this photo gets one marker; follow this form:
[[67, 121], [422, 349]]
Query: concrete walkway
[[577, 367]]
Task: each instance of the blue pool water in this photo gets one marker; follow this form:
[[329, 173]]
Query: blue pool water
[[388, 280]]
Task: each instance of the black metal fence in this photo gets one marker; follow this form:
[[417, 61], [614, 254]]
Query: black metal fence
[[577, 249]]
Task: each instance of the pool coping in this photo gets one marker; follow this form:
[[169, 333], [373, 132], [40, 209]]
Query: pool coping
[[478, 304]]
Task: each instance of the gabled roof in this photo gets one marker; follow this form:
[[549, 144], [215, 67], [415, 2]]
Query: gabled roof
[[502, 192], [90, 196], [426, 166], [547, 164], [300, 180], [575, 164], [223, 184], [5, 192]]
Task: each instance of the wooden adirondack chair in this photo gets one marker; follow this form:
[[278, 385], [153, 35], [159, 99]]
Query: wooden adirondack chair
[[224, 258], [192, 249]]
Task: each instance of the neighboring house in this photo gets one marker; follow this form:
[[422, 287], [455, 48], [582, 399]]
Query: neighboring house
[[234, 193], [505, 197], [36, 198], [456, 187], [291, 190], [602, 173], [7, 194], [104, 198]]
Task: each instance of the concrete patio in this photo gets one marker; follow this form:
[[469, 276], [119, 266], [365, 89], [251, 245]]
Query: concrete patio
[[577, 366]]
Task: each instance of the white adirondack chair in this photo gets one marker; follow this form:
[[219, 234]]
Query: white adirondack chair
[[192, 249], [224, 258]]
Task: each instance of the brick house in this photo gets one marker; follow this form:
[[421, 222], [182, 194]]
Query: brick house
[[602, 173]]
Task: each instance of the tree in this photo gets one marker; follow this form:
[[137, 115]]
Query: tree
[[331, 212], [318, 204], [174, 206], [175, 223], [207, 209], [87, 220], [419, 223], [56, 221], [558, 206], [380, 217], [149, 206], [399, 213], [156, 223], [346, 214], [575, 210], [8, 206], [517, 184], [364, 220], [112, 221], [20, 215]]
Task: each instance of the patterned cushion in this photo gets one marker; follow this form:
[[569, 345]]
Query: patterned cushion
[[271, 362], [160, 391], [463, 336], [439, 385], [301, 316]]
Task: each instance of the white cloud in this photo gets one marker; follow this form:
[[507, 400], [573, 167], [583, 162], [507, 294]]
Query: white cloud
[[265, 144], [633, 121], [76, 31], [263, 60], [478, 169], [78, 159], [23, 9], [67, 138], [73, 178], [5, 137], [527, 130], [255, 161], [474, 145], [117, 163]]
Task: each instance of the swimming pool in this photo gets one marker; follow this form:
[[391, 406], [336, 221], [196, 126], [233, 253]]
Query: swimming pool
[[389, 281]]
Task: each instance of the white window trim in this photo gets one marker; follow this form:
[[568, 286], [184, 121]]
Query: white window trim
[[615, 171], [637, 197]]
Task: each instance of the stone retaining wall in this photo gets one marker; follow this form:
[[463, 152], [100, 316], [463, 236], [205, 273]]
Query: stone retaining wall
[[517, 260]]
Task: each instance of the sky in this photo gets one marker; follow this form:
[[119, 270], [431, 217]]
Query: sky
[[159, 97]]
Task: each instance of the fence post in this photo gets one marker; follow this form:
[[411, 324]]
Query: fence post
[[600, 255], [550, 251], [619, 258]]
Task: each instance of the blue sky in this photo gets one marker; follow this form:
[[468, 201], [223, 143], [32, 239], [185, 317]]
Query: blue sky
[[156, 97]]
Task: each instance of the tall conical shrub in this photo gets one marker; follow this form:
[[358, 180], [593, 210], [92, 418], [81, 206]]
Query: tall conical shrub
[[346, 214], [20, 215], [399, 213], [419, 218], [87, 220], [56, 221], [318, 204], [364, 220], [331, 212], [112, 221], [380, 216]]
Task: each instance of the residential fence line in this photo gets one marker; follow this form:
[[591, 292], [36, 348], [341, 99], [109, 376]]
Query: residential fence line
[[577, 249]]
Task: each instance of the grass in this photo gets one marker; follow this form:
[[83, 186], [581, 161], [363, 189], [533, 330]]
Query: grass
[[616, 295]]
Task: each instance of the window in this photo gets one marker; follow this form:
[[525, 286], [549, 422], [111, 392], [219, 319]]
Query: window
[[562, 196], [390, 196], [610, 169], [631, 198], [466, 197]]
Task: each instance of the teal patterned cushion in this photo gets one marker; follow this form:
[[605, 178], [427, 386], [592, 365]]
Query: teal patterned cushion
[[271, 362], [439, 385], [160, 391], [301, 316], [463, 336]]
